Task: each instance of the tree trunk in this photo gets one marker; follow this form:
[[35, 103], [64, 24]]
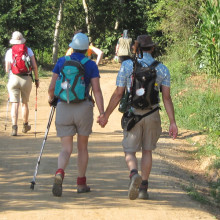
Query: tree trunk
[[116, 24], [87, 17], [57, 32]]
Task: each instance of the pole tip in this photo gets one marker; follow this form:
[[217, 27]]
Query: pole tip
[[32, 185]]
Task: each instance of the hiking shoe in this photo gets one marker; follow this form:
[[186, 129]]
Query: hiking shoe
[[26, 128], [14, 130], [57, 186], [143, 194], [83, 189], [135, 182]]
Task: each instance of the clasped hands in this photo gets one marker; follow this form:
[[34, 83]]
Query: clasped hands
[[102, 120]]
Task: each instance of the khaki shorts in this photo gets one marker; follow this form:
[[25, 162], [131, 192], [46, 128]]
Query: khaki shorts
[[144, 135], [19, 86], [74, 118]]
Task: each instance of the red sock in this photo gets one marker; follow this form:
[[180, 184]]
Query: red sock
[[60, 171], [81, 180]]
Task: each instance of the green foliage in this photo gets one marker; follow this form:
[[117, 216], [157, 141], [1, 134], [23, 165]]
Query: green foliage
[[194, 194], [198, 110], [207, 38], [174, 20], [215, 190]]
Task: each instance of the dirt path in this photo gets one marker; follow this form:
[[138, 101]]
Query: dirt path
[[107, 173]]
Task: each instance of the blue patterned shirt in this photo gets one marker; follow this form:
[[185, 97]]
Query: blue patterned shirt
[[125, 72]]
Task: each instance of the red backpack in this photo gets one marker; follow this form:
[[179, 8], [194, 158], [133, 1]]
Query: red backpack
[[21, 60]]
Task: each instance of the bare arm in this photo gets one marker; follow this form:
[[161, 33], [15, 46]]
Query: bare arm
[[7, 67], [98, 94], [168, 104], [114, 101], [99, 54], [52, 87], [35, 69]]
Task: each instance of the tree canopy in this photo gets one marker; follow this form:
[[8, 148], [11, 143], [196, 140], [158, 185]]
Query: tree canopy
[[169, 22]]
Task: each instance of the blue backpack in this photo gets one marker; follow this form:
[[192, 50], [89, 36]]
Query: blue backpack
[[70, 86]]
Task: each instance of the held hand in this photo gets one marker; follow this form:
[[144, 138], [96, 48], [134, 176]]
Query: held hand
[[37, 83], [173, 130], [102, 120]]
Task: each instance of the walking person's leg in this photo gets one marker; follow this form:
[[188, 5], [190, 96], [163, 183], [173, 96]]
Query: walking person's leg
[[14, 97], [63, 159], [25, 115], [25, 112], [26, 86], [14, 117], [146, 165], [135, 178], [82, 161]]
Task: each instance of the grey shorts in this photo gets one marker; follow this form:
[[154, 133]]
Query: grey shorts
[[19, 86], [144, 135], [74, 118]]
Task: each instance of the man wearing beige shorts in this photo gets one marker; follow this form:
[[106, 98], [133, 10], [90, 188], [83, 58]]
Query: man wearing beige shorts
[[145, 134], [20, 85]]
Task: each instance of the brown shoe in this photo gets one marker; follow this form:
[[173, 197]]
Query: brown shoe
[[57, 186], [14, 130], [26, 128], [143, 194], [83, 189], [135, 182]]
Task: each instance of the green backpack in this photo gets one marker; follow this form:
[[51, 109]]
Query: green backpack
[[70, 85]]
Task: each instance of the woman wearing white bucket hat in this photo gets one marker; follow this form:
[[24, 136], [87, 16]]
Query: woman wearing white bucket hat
[[75, 118], [20, 82]]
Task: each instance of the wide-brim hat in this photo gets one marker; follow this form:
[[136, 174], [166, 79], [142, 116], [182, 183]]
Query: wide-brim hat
[[17, 38], [145, 41], [80, 41]]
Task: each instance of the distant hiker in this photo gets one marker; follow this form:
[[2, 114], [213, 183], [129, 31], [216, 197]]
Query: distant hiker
[[123, 45], [92, 50], [19, 62], [145, 132], [75, 117], [95, 51]]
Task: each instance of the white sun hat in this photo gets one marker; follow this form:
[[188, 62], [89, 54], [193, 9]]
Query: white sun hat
[[17, 38], [80, 42]]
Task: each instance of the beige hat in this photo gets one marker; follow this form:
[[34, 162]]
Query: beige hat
[[17, 38], [145, 41]]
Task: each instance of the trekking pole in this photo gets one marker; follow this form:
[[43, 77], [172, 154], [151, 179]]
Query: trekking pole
[[6, 119], [42, 148], [36, 112]]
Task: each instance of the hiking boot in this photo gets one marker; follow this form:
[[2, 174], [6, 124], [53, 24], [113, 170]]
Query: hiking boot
[[143, 194], [14, 130], [26, 128], [57, 185], [134, 184], [82, 186]]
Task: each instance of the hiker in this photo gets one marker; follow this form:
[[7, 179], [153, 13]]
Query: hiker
[[123, 45], [92, 50], [75, 118], [95, 51], [145, 134], [19, 66]]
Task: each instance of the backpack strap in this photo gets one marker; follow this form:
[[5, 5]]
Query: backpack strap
[[67, 58], [84, 60], [154, 64]]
